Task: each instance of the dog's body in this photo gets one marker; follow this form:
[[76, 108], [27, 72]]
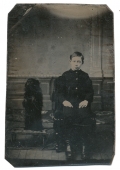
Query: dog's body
[[33, 102]]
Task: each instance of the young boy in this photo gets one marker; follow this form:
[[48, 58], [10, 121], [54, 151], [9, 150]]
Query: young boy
[[78, 89], [75, 94]]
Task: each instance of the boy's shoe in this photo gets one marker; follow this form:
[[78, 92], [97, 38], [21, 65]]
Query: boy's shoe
[[85, 154], [68, 152]]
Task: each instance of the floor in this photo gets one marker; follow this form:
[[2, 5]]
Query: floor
[[31, 152]]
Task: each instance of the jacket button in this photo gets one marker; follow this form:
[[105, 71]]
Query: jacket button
[[76, 71], [76, 78], [76, 88]]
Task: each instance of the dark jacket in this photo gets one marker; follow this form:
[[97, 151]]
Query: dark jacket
[[75, 86]]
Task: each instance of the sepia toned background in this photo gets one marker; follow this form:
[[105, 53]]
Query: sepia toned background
[[40, 41]]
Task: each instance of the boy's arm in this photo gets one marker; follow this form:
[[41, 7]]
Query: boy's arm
[[61, 98], [89, 91], [62, 92]]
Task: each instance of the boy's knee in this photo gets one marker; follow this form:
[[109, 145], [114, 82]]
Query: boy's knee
[[84, 109], [68, 111]]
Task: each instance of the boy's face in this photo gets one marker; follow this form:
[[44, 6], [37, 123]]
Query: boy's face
[[76, 63]]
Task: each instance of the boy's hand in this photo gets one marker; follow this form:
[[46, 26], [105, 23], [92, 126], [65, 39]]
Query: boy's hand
[[67, 104], [83, 104]]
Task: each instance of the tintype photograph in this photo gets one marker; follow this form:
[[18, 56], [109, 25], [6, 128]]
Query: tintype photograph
[[60, 85]]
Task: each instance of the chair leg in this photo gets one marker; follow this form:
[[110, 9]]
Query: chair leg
[[59, 144]]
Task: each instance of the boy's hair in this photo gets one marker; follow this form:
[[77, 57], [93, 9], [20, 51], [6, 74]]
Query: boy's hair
[[77, 54]]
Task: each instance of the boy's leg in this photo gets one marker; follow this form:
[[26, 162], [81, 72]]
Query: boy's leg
[[59, 130], [85, 122], [68, 114]]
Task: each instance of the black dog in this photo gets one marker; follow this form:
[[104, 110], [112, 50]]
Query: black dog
[[33, 102]]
